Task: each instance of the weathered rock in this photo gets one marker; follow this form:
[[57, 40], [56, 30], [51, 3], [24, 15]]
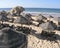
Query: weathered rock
[[17, 10], [28, 16], [3, 13], [3, 16], [11, 39]]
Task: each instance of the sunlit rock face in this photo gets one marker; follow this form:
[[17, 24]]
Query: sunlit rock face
[[17, 10], [21, 20], [28, 16]]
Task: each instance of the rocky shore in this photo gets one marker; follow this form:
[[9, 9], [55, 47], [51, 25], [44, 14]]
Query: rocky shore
[[34, 31]]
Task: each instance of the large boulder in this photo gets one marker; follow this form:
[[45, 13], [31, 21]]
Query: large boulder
[[17, 10], [21, 20], [9, 38], [28, 16], [3, 13], [3, 16]]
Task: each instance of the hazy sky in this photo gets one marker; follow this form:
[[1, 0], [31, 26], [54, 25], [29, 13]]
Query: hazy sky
[[30, 3]]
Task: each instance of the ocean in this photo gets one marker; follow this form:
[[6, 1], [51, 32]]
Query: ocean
[[49, 10]]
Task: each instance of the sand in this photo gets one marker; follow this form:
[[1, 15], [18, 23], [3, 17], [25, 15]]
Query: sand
[[35, 42]]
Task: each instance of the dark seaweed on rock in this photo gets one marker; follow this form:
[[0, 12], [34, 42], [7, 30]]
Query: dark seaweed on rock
[[24, 30]]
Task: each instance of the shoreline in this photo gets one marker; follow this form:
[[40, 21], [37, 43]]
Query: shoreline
[[42, 12], [45, 13]]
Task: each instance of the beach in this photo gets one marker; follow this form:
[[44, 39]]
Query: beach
[[35, 42], [41, 29], [44, 13], [29, 23]]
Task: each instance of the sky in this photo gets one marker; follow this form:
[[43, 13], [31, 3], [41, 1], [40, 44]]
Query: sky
[[30, 3]]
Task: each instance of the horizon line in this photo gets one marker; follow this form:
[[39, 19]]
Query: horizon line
[[33, 7]]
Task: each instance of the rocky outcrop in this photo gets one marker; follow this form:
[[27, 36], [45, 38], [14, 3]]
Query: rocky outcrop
[[3, 16], [17, 10]]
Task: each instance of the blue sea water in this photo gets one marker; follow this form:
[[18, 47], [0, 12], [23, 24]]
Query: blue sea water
[[50, 10]]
